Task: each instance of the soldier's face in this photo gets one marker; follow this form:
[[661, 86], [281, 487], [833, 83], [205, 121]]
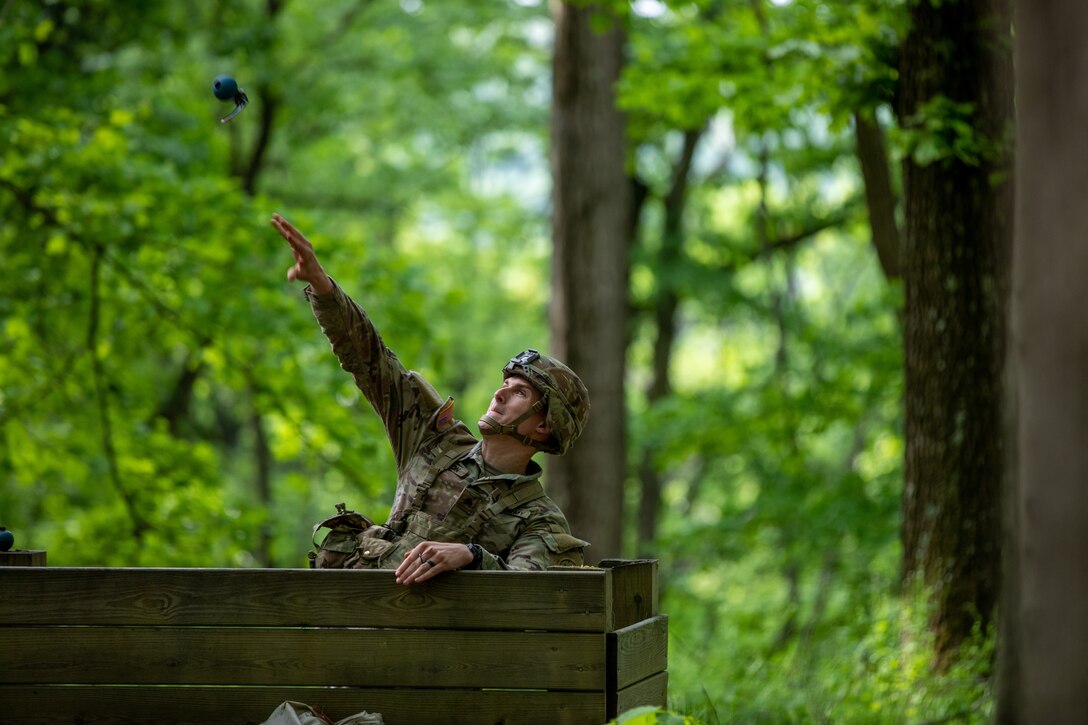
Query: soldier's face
[[512, 399]]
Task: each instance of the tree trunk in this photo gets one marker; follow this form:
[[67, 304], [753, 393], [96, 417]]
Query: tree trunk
[[955, 271], [591, 227], [1049, 355]]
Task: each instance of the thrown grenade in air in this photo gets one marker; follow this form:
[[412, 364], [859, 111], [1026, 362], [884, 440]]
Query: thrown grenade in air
[[226, 88], [6, 539]]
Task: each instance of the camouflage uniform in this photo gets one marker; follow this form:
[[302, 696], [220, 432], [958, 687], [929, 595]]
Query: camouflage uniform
[[445, 490]]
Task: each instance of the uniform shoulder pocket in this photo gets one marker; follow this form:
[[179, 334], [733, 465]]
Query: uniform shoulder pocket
[[564, 549]]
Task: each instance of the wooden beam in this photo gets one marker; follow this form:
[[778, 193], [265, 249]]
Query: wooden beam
[[277, 656], [634, 590], [638, 651], [569, 600], [22, 557], [651, 691]]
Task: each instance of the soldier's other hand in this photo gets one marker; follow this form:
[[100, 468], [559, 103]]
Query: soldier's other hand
[[306, 267], [431, 558]]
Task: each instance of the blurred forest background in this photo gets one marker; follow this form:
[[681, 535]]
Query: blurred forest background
[[166, 398]]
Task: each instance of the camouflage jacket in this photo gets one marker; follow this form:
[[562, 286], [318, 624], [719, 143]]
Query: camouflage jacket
[[445, 490]]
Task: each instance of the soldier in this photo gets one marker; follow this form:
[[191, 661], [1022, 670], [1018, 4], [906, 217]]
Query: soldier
[[460, 503]]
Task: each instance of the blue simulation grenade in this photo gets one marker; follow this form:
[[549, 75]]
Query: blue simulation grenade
[[6, 539], [226, 88]]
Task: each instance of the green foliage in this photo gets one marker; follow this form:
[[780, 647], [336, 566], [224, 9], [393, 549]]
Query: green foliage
[[779, 447], [647, 715], [943, 131], [867, 657], [155, 348]]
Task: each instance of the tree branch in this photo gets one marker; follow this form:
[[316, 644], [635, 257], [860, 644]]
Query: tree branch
[[139, 526], [879, 196]]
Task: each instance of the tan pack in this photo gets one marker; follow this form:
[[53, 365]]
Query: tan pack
[[341, 541]]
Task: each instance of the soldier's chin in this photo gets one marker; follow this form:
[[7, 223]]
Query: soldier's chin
[[485, 426]]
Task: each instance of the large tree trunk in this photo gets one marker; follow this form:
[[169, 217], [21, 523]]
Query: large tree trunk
[[1049, 354], [955, 271], [591, 227]]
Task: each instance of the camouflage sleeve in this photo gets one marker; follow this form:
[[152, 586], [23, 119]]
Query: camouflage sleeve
[[528, 553], [403, 399], [535, 552]]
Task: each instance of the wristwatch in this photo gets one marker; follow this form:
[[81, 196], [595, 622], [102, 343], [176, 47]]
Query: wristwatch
[[477, 556]]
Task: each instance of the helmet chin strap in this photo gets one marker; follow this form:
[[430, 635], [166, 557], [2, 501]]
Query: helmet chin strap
[[495, 428]]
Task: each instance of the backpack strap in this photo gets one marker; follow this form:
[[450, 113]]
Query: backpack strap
[[518, 495]]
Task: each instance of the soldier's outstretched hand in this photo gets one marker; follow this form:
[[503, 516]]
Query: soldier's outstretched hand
[[306, 267]]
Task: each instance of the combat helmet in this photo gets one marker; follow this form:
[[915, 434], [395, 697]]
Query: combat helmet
[[563, 396]]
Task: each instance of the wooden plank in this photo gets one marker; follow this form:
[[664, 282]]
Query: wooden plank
[[22, 557], [653, 690], [634, 590], [268, 656], [572, 601], [52, 705], [638, 651]]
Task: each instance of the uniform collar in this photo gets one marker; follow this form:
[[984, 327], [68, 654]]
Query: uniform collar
[[476, 455]]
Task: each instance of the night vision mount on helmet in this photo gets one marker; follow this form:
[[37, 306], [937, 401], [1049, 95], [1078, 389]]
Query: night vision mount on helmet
[[564, 400]]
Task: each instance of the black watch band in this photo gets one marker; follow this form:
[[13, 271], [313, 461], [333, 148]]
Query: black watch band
[[477, 556]]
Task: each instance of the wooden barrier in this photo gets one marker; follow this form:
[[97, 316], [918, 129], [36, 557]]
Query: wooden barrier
[[228, 645], [22, 557]]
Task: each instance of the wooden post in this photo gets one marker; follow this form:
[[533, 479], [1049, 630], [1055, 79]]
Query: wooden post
[[638, 637], [634, 590], [22, 557]]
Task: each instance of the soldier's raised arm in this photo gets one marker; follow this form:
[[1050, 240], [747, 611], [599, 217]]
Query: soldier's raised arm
[[306, 267], [404, 401]]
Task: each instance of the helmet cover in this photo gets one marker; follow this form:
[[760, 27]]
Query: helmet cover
[[566, 395]]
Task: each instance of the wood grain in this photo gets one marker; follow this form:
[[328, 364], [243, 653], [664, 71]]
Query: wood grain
[[570, 600], [638, 651], [651, 691], [266, 656], [634, 595]]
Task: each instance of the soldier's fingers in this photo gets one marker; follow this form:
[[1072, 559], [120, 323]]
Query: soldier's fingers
[[293, 236], [426, 572], [420, 564], [410, 565], [404, 574], [405, 565], [414, 575], [431, 565], [286, 224], [279, 228]]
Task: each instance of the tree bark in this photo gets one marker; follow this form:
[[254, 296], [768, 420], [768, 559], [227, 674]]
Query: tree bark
[[591, 228], [1048, 675], [956, 278]]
